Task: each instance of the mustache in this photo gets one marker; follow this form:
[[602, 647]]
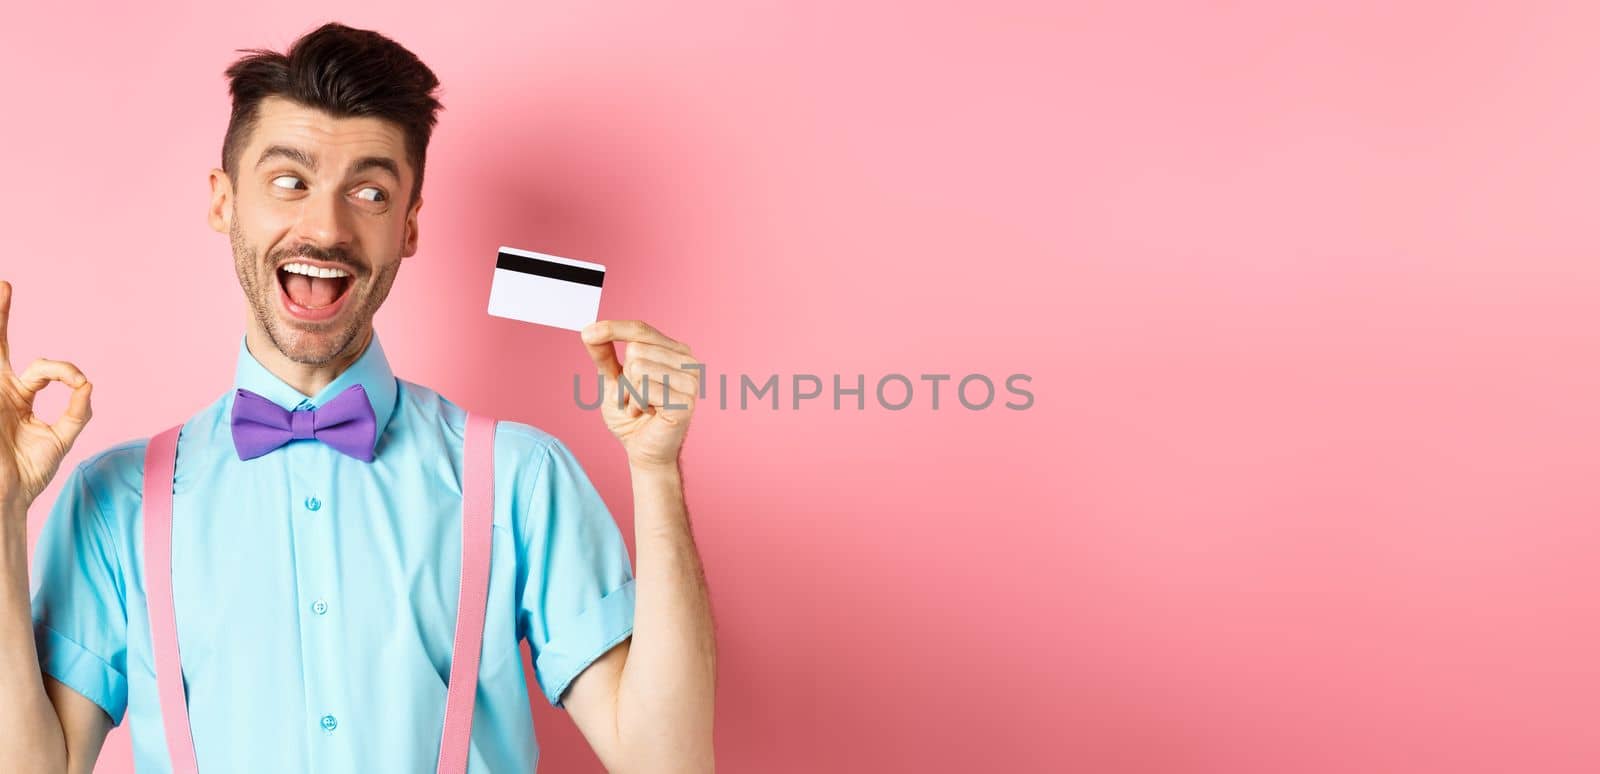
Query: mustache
[[336, 255]]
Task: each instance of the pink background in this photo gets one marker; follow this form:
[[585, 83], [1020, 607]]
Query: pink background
[[1308, 299]]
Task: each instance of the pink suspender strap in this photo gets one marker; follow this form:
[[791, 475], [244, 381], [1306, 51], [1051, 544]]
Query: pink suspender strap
[[477, 506], [477, 532], [160, 457]]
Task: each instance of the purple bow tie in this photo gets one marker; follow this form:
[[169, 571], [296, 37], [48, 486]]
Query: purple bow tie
[[346, 423]]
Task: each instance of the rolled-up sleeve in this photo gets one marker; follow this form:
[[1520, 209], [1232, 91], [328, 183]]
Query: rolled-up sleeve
[[577, 596], [80, 620]]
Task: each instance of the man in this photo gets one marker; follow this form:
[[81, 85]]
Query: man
[[315, 586]]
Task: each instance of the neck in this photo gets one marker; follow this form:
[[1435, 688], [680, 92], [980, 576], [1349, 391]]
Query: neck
[[308, 379]]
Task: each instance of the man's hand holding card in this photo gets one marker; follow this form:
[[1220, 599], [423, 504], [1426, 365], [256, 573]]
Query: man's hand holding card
[[565, 293]]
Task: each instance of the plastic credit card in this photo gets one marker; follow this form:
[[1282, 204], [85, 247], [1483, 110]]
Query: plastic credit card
[[545, 289]]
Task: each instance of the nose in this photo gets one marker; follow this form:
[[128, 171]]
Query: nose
[[324, 220]]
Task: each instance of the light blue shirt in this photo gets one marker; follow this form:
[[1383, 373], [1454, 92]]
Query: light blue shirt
[[316, 593]]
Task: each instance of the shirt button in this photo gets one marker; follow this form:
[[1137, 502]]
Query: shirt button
[[329, 722], [313, 504], [319, 607]]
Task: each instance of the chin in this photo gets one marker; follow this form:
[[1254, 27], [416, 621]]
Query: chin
[[313, 345]]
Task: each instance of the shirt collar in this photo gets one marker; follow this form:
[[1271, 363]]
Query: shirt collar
[[371, 371]]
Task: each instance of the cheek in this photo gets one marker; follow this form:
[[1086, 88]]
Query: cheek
[[383, 243], [261, 224]]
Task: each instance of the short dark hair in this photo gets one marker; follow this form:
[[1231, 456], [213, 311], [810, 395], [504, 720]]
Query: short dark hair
[[345, 72]]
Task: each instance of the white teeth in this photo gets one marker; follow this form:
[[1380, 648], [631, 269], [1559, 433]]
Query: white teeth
[[314, 271]]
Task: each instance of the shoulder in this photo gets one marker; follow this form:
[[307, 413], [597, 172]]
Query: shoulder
[[114, 476], [115, 470], [519, 446], [102, 490], [521, 438]]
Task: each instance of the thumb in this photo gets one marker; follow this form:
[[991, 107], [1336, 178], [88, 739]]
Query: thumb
[[76, 417], [598, 340]]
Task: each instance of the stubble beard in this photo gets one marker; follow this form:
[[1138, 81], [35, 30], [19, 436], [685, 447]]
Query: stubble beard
[[313, 344]]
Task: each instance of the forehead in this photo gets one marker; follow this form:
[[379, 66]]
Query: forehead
[[332, 141]]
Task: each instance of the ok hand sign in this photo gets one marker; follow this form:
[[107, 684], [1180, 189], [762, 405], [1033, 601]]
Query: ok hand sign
[[31, 450]]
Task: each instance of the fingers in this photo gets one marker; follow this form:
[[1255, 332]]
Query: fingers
[[661, 369], [681, 408], [671, 357], [641, 371], [673, 404], [72, 421], [604, 356], [5, 316], [629, 330], [659, 385], [42, 371], [76, 417], [685, 368]]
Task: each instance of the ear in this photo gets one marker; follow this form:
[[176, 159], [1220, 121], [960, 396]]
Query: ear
[[409, 247], [221, 202]]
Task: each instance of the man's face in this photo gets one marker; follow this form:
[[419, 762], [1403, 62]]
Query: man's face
[[316, 197]]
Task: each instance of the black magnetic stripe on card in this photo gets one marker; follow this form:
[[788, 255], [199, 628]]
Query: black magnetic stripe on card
[[551, 269]]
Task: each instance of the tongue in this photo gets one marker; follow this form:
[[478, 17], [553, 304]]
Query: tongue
[[311, 292]]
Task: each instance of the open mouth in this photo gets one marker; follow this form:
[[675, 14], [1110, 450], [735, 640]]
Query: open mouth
[[312, 292]]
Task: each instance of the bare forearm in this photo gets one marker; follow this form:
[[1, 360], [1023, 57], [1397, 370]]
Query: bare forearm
[[665, 696], [28, 721]]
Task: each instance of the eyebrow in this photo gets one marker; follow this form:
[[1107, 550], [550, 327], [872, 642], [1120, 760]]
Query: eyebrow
[[306, 160]]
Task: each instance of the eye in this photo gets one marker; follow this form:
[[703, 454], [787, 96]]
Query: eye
[[378, 194], [285, 177]]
